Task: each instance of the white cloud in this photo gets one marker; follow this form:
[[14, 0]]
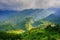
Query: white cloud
[[27, 4]]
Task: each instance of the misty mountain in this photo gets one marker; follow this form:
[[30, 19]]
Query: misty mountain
[[52, 18], [56, 11], [10, 16], [17, 16], [7, 18]]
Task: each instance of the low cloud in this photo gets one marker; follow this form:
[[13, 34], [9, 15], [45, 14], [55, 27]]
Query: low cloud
[[28, 4]]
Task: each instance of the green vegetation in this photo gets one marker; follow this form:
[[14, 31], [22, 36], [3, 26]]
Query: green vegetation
[[48, 33], [42, 31]]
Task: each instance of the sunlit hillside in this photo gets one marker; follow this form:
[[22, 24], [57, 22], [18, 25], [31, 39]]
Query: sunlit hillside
[[31, 30], [16, 31]]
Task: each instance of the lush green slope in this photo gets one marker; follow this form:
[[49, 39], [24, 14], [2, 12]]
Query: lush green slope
[[48, 33]]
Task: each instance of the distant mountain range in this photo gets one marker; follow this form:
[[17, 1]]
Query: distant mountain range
[[18, 17]]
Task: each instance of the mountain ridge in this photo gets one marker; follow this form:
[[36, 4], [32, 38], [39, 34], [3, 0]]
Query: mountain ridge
[[52, 18]]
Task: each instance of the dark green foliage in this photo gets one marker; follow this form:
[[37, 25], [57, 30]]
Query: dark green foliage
[[57, 28], [4, 36]]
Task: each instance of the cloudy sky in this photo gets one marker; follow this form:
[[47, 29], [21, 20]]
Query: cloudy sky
[[28, 4]]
